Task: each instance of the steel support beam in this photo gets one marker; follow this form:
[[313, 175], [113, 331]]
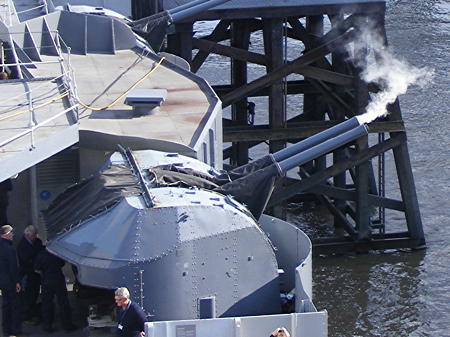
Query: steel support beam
[[218, 34], [240, 41], [346, 194], [362, 216], [295, 131], [180, 43], [408, 189], [285, 193], [274, 47], [335, 245], [288, 68]]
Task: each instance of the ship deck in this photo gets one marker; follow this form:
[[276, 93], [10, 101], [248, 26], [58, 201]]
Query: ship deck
[[35, 330], [102, 78]]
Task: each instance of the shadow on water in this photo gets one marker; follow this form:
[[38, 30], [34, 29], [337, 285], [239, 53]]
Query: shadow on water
[[374, 294], [377, 294]]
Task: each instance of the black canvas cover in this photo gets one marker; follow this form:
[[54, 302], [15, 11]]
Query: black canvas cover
[[253, 190], [89, 197], [244, 170], [252, 186], [173, 175], [153, 29], [251, 167]]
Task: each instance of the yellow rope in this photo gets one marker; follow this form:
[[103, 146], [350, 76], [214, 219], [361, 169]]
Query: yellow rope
[[85, 106], [126, 92], [36, 107]]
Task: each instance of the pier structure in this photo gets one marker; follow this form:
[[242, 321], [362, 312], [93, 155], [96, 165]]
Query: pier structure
[[350, 181]]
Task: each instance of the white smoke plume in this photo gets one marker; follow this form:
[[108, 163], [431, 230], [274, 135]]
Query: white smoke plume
[[382, 67]]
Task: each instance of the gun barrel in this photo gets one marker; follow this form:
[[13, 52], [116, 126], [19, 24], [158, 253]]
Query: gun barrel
[[260, 178], [294, 149], [322, 148], [194, 10], [316, 139], [185, 6]]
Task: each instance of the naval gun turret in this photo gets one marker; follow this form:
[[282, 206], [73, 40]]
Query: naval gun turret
[[259, 177], [178, 233]]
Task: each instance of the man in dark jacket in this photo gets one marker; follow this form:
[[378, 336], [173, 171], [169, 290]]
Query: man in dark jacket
[[53, 284], [9, 284], [131, 318], [5, 187], [27, 250]]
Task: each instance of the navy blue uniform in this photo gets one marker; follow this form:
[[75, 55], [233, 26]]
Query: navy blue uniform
[[27, 252], [53, 284], [9, 277], [5, 187], [131, 320]]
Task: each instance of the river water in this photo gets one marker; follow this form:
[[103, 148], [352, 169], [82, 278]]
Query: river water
[[395, 293]]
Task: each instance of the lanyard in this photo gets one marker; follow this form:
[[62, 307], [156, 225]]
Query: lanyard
[[124, 311]]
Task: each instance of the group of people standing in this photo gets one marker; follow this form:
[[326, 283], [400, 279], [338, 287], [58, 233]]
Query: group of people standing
[[31, 270], [24, 274]]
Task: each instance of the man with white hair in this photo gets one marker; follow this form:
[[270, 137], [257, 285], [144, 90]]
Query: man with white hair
[[131, 317], [27, 250], [9, 284], [280, 332]]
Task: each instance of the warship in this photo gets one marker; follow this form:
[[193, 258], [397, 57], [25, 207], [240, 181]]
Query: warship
[[117, 148]]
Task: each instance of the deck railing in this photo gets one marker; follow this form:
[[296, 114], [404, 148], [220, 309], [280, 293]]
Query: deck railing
[[28, 102]]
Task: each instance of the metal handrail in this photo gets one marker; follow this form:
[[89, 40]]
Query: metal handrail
[[68, 80], [29, 63], [65, 72], [45, 4], [53, 100], [66, 77], [37, 126], [31, 9], [26, 92]]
